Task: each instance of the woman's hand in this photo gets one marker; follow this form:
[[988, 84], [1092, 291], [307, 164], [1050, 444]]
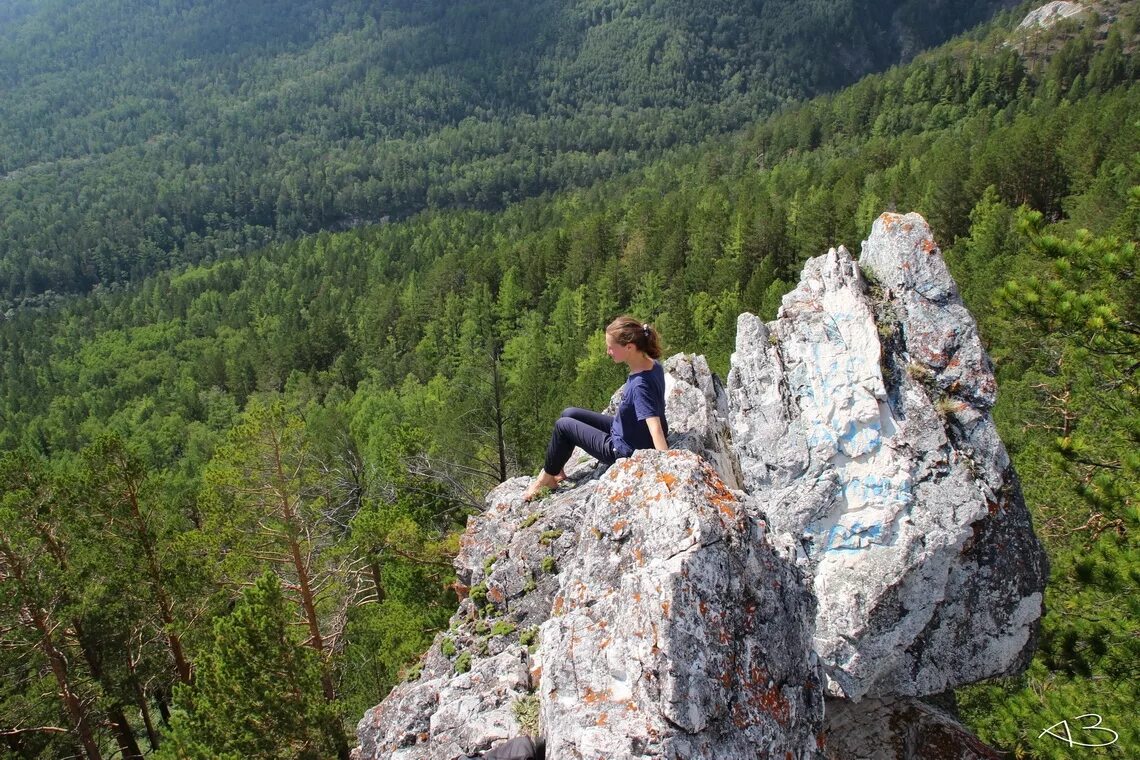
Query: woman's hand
[[658, 433]]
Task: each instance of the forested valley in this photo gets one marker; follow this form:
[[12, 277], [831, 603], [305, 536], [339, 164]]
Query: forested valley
[[136, 136], [232, 488]]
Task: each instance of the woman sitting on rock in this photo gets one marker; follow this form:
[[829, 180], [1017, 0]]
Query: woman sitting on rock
[[640, 421]]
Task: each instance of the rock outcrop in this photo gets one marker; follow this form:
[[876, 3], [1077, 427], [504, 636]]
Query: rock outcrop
[[861, 419], [530, 564], [697, 408], [678, 630], [1050, 13], [845, 522]]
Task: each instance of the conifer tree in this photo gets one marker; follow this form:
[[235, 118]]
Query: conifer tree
[[35, 603], [257, 691], [1086, 309], [116, 478], [1070, 325], [267, 504]]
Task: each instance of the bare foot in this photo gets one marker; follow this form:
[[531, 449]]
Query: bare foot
[[560, 477], [544, 480]]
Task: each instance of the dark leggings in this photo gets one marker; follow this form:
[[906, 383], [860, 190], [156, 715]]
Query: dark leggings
[[587, 430]]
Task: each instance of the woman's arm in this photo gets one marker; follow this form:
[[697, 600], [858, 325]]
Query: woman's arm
[[658, 433]]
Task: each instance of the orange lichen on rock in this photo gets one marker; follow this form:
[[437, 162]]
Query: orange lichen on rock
[[668, 479], [624, 464], [771, 701], [712, 477], [603, 718], [621, 495], [665, 609], [559, 603], [619, 526], [890, 220], [726, 504], [592, 697], [495, 595], [721, 497]]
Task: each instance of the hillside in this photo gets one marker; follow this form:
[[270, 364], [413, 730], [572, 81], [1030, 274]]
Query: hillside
[[136, 136], [381, 379]]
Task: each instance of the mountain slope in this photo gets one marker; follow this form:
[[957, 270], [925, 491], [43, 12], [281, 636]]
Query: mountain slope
[[134, 136]]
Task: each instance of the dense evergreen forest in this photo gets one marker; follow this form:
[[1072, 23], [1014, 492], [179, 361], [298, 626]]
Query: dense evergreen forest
[[135, 136], [231, 489]]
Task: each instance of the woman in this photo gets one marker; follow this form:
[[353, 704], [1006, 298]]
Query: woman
[[640, 421]]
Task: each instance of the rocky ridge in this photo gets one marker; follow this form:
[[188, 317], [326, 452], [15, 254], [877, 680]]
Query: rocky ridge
[[1050, 13], [841, 521]]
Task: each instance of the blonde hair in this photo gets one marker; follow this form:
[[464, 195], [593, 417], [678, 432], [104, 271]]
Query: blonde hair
[[627, 329]]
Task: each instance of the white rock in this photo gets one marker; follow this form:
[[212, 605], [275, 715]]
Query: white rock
[[678, 631], [889, 484], [883, 548], [1050, 13]]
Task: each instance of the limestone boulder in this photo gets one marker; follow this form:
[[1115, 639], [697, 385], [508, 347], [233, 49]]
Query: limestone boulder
[[443, 717], [466, 692], [841, 519], [703, 645], [697, 407], [860, 419], [678, 630]]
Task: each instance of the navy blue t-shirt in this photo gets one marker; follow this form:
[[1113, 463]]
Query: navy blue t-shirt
[[644, 397]]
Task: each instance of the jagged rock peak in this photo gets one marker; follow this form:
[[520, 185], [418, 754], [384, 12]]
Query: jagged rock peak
[[861, 423], [879, 551]]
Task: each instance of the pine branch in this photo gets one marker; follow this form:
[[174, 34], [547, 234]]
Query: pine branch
[[1091, 463], [418, 560], [35, 730]]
